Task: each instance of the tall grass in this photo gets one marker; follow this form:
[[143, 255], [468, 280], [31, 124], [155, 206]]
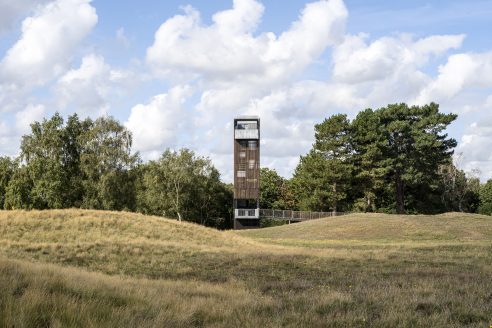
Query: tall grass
[[123, 269], [36, 295]]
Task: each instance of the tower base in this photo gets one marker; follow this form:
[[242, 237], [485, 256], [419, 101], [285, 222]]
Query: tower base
[[246, 224]]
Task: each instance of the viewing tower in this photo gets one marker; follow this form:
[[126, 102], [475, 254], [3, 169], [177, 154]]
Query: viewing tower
[[246, 172]]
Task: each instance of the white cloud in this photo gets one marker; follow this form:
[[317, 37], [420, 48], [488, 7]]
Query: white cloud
[[8, 139], [11, 11], [28, 115], [286, 124], [289, 111], [355, 61], [475, 145], [243, 18], [88, 89], [461, 71], [285, 131], [85, 88], [13, 129], [241, 72], [155, 126], [228, 49], [48, 40]]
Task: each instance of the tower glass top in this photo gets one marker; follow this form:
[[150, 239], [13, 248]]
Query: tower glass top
[[247, 127]]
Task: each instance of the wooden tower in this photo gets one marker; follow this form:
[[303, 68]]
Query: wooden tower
[[246, 172]]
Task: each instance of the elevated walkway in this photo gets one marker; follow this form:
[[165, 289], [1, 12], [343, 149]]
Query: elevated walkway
[[295, 216]]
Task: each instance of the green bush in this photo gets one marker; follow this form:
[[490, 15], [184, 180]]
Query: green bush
[[486, 198]]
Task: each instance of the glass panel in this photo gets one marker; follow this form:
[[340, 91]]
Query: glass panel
[[246, 125], [252, 144]]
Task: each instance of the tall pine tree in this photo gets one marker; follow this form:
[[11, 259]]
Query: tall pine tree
[[413, 149]]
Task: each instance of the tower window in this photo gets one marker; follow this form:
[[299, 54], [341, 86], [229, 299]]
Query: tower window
[[241, 174], [252, 144], [246, 125]]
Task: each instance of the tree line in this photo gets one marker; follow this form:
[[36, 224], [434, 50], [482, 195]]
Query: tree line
[[90, 164], [396, 159]]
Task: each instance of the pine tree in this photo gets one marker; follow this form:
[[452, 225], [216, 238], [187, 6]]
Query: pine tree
[[323, 177], [414, 148], [369, 173]]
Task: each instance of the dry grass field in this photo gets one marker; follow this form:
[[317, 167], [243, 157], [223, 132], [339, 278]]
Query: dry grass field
[[79, 268]]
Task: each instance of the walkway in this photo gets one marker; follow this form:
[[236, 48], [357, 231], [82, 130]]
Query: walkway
[[295, 215]]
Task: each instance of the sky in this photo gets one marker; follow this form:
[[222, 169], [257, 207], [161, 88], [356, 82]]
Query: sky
[[177, 72]]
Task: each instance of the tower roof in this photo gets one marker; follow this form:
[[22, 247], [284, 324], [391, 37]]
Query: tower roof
[[247, 117]]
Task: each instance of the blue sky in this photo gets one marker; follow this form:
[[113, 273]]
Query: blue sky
[[177, 72]]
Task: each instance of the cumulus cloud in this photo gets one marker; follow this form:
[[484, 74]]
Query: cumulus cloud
[[228, 49], [48, 40], [8, 139], [224, 100], [11, 11], [87, 89], [243, 72], [461, 71], [475, 144], [286, 130], [155, 125], [12, 130], [28, 115], [355, 61], [240, 71], [365, 74]]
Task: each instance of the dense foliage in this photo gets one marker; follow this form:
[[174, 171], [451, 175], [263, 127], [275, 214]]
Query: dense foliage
[[396, 159], [486, 198], [7, 170], [182, 185], [275, 191], [90, 164]]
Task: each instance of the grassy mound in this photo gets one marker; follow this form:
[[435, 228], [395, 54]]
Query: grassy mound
[[93, 268], [114, 242], [451, 227], [89, 226]]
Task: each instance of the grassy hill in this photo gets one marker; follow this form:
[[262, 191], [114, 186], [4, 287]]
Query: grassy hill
[[94, 268], [381, 228]]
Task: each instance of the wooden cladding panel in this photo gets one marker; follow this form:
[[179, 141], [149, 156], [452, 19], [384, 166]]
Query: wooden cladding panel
[[247, 160]]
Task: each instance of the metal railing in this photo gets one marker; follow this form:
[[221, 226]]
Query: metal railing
[[246, 213], [295, 215]]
